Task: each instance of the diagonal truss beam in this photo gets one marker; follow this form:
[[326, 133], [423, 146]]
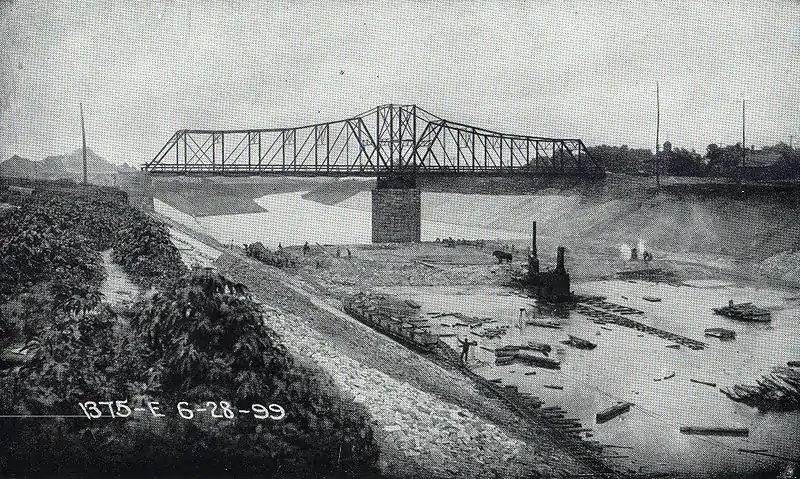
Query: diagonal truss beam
[[386, 140]]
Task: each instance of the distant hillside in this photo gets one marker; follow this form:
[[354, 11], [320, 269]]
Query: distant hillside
[[61, 166], [47, 169]]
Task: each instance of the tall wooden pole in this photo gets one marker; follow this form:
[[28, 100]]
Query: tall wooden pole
[[744, 144], [658, 125], [83, 135]]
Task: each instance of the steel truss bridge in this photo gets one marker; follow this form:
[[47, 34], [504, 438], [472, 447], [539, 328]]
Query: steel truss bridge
[[384, 141]]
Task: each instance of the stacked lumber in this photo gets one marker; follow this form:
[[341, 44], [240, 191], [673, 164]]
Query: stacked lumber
[[579, 343], [744, 312], [776, 391]]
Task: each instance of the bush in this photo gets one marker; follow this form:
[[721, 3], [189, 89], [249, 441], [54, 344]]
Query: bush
[[207, 339], [144, 249]]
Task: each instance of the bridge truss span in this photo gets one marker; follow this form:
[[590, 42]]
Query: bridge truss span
[[387, 140]]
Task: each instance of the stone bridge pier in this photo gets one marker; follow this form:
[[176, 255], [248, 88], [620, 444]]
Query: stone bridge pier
[[396, 211]]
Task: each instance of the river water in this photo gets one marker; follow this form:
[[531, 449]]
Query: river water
[[631, 366], [290, 219], [625, 366]]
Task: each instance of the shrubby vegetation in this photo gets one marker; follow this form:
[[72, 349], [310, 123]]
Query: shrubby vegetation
[[196, 337], [143, 247]]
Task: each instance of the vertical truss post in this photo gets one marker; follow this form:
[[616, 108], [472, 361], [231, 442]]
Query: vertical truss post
[[415, 155], [222, 153], [473, 150], [528, 154], [328, 147], [458, 149], [501, 154], [391, 137], [378, 135]]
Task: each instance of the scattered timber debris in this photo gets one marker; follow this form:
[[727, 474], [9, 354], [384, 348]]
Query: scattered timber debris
[[491, 333], [540, 347], [550, 386], [579, 343], [652, 299], [697, 381], [503, 360], [601, 303], [536, 360], [744, 312], [595, 314], [612, 412], [670, 375], [674, 346], [468, 320], [543, 323], [721, 333], [716, 431], [524, 353], [793, 364], [777, 391], [654, 275]]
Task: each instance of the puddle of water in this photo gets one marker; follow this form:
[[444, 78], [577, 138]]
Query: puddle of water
[[625, 364]]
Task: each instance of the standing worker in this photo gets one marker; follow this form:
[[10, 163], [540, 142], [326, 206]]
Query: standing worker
[[465, 344]]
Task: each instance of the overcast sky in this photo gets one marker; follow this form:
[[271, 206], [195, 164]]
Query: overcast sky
[[577, 69]]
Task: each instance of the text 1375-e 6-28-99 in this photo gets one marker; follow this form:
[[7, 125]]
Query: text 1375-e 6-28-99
[[215, 409]]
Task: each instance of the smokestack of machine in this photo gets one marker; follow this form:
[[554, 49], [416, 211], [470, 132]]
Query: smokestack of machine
[[560, 261], [533, 261]]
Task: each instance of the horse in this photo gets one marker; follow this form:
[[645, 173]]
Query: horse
[[501, 255]]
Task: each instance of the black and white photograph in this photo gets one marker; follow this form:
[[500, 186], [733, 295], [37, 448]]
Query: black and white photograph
[[400, 239]]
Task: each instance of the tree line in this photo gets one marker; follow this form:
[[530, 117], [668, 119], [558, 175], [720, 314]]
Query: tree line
[[779, 161]]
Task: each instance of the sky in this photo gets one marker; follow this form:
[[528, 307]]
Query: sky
[[588, 70]]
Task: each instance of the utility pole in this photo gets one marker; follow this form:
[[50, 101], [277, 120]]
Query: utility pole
[[791, 137], [83, 135], [744, 145], [658, 125]]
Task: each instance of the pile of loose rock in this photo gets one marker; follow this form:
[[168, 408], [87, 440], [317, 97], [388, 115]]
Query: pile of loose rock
[[412, 426]]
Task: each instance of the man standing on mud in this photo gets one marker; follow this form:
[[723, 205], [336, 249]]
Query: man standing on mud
[[465, 344]]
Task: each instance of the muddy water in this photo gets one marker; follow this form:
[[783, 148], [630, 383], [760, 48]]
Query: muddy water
[[290, 219], [631, 366]]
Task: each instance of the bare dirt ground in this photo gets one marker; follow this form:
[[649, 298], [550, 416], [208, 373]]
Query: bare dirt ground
[[448, 428], [429, 421]]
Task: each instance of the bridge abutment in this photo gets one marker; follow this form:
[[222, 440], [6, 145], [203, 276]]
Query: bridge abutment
[[396, 215]]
